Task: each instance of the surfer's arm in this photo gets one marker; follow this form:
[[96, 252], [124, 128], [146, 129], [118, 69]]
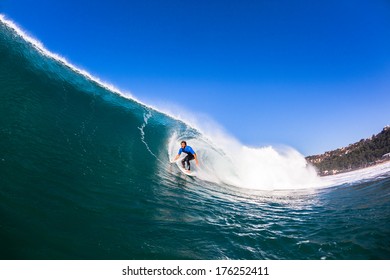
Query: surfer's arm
[[196, 159], [176, 157]]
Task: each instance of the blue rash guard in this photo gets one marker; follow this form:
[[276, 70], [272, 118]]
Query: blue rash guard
[[187, 150]]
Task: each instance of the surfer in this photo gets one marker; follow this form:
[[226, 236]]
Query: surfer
[[190, 155]]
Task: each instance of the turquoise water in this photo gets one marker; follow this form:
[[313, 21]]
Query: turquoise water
[[85, 174]]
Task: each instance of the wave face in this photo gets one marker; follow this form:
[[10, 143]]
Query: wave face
[[85, 174]]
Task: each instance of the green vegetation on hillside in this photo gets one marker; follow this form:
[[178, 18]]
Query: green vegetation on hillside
[[362, 154]]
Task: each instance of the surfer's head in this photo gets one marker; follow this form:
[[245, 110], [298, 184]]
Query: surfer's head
[[183, 144]]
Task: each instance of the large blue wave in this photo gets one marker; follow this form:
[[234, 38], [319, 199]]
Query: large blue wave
[[86, 173]]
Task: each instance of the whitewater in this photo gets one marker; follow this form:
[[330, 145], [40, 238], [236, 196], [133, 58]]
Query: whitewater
[[86, 174]]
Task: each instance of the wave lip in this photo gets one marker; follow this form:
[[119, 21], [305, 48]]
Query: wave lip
[[43, 50]]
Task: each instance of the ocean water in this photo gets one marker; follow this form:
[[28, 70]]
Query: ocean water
[[85, 173]]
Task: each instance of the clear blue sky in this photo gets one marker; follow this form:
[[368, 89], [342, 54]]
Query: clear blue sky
[[314, 75]]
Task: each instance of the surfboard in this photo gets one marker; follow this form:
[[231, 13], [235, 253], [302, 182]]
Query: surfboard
[[185, 171]]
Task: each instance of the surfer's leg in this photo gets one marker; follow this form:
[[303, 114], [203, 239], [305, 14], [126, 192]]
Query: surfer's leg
[[189, 157], [183, 161]]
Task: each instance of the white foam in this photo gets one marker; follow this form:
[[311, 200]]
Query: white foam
[[361, 175], [223, 159]]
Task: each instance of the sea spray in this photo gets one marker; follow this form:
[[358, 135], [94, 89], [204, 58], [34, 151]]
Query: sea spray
[[224, 159]]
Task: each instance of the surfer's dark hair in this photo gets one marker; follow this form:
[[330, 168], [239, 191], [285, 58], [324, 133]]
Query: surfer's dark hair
[[185, 143]]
